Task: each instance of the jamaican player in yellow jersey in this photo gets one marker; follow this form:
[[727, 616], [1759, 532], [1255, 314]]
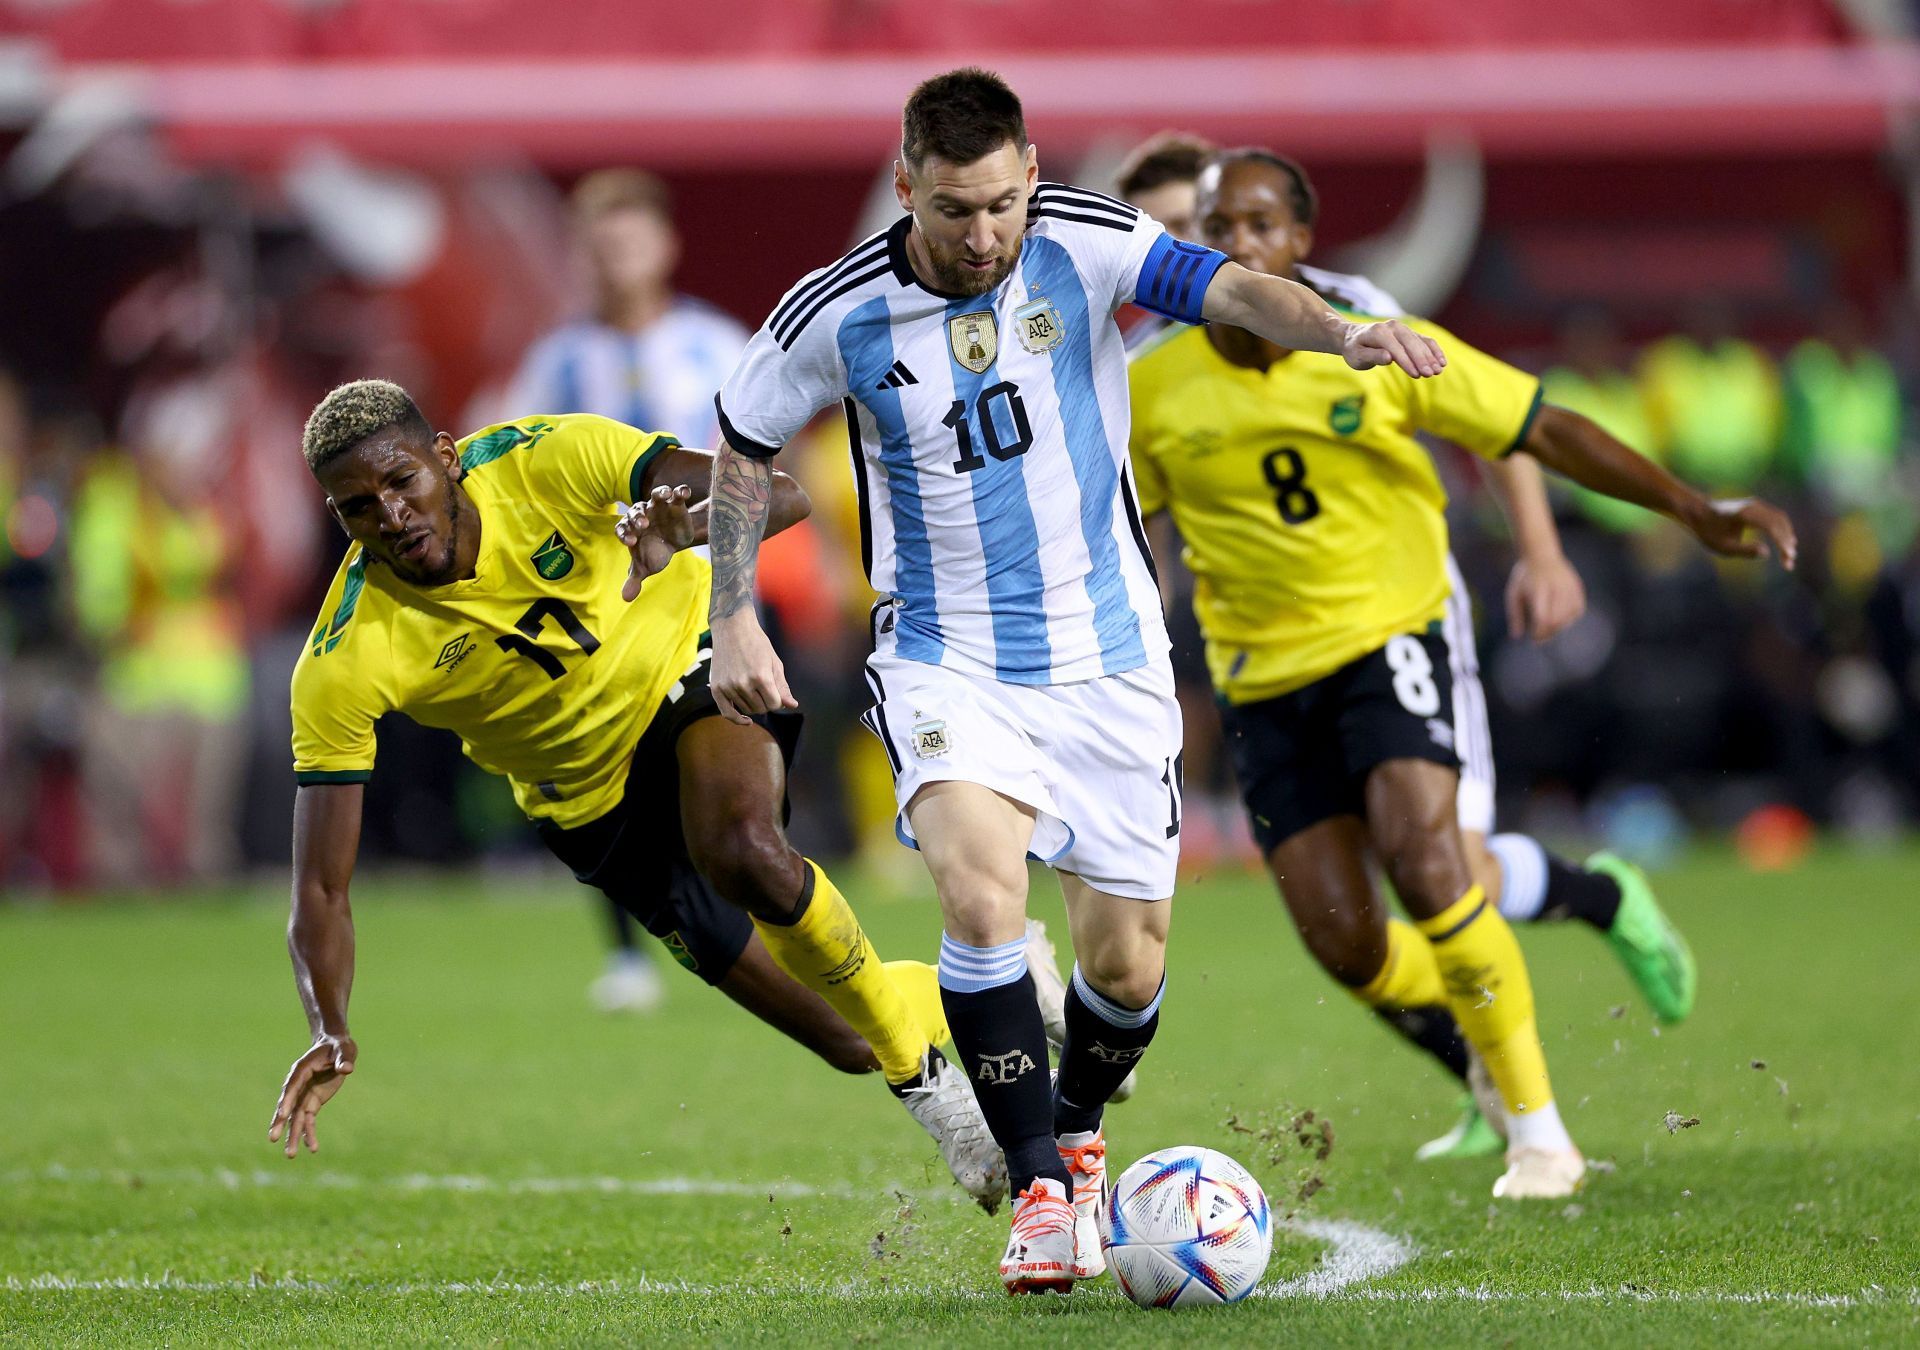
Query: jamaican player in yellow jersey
[[1314, 525], [490, 591]]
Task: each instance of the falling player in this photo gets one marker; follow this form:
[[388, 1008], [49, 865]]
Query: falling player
[[1544, 596], [1019, 674], [1314, 525], [487, 592]]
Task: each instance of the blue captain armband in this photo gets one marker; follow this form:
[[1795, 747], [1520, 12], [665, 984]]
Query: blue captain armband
[[1174, 278]]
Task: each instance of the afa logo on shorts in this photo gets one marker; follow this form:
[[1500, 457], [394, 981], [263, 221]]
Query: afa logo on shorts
[[553, 559], [930, 740], [1344, 416]]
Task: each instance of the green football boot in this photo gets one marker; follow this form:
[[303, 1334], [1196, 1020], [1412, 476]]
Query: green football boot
[[1471, 1137], [1657, 958]]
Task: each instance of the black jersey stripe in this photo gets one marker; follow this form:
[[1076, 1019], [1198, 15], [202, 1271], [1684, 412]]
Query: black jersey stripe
[[1062, 195], [1051, 213], [880, 269], [860, 487], [1134, 522], [793, 304]]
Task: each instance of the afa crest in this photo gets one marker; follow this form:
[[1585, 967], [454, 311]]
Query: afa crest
[[975, 340], [1038, 325], [553, 559], [1344, 416]]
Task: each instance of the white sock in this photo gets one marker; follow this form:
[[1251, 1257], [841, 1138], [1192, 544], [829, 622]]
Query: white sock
[[1540, 1128], [1523, 876]]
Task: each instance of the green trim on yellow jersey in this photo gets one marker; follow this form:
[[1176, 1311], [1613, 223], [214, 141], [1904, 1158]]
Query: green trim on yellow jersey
[[482, 450], [322, 777], [637, 479], [327, 636], [1526, 427]]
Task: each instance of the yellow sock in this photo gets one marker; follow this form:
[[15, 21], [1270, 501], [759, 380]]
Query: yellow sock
[[1492, 999], [1410, 976], [919, 984], [826, 950]]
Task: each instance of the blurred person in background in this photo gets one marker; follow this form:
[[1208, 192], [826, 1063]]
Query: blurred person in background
[[1845, 418], [1592, 378], [1714, 401], [153, 565], [647, 356]]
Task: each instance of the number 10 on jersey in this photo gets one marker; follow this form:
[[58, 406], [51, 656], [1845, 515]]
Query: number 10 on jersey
[[1000, 415]]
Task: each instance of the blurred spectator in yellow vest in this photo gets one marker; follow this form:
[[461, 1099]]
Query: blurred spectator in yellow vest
[[152, 568], [1592, 379], [1844, 414], [1714, 401]]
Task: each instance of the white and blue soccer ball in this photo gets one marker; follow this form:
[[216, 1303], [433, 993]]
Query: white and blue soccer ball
[[1187, 1225]]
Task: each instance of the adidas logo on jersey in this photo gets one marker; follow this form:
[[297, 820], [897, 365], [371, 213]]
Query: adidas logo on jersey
[[898, 377]]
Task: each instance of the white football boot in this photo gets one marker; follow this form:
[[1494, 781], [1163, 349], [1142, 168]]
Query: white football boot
[[945, 1107], [631, 984], [1040, 1255], [1085, 1155], [1541, 1174], [1050, 987]]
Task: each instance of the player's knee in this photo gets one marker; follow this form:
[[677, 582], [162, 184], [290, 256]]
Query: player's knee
[[1126, 968], [978, 903], [751, 864], [1428, 874]]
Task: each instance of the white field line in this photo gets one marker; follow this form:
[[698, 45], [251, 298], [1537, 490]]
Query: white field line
[[1356, 1253]]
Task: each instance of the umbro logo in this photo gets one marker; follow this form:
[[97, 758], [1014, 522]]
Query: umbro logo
[[455, 652], [897, 378], [855, 961]]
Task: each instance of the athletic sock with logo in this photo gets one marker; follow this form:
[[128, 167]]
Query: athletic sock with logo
[[1406, 994], [823, 946], [1105, 1039], [1001, 1040], [1537, 886], [1492, 998]]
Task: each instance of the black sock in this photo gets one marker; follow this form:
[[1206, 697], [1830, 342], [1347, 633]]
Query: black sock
[[1434, 1031], [1575, 893], [1002, 1043], [1104, 1041]]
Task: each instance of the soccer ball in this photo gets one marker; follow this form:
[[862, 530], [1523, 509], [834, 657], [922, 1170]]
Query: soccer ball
[[1187, 1225]]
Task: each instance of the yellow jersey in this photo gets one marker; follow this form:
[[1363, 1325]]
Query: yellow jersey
[[1313, 520], [545, 673]]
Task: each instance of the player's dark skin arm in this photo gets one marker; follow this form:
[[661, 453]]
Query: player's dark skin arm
[[675, 511], [326, 840], [1572, 445]]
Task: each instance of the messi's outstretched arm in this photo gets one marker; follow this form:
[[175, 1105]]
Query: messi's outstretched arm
[[1287, 313], [746, 677], [675, 512], [1570, 444], [1544, 594], [326, 838]]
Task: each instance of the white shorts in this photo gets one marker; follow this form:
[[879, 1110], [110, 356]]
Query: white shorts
[[1472, 740], [1098, 760]]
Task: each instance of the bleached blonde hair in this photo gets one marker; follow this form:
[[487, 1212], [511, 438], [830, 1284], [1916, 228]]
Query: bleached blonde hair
[[354, 411]]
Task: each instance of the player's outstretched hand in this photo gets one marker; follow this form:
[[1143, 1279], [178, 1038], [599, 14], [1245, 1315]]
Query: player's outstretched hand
[[1545, 596], [1392, 343], [310, 1084], [654, 530], [746, 678], [1746, 528]]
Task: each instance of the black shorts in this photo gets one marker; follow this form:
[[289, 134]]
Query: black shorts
[[637, 852], [1304, 757]]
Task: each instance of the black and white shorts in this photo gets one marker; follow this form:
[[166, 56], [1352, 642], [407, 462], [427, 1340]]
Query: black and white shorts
[[1473, 740]]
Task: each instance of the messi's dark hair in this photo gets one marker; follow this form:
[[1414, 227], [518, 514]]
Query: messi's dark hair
[[961, 116], [1301, 197]]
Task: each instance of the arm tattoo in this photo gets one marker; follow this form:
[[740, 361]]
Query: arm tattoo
[[737, 517]]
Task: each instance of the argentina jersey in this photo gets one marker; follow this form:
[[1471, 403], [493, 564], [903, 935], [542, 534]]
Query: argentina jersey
[[989, 435]]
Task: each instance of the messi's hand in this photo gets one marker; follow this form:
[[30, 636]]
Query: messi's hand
[[746, 677], [310, 1085], [1392, 343], [1545, 596]]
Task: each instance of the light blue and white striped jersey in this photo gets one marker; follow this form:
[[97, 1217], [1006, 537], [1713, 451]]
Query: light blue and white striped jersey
[[660, 379], [989, 435]]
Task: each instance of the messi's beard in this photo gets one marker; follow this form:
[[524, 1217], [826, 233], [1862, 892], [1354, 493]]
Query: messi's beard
[[956, 277]]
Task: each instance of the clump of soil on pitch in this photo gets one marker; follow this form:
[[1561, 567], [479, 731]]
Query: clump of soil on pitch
[[1287, 1149]]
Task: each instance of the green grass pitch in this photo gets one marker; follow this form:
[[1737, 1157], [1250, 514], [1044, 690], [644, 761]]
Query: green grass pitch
[[507, 1165]]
